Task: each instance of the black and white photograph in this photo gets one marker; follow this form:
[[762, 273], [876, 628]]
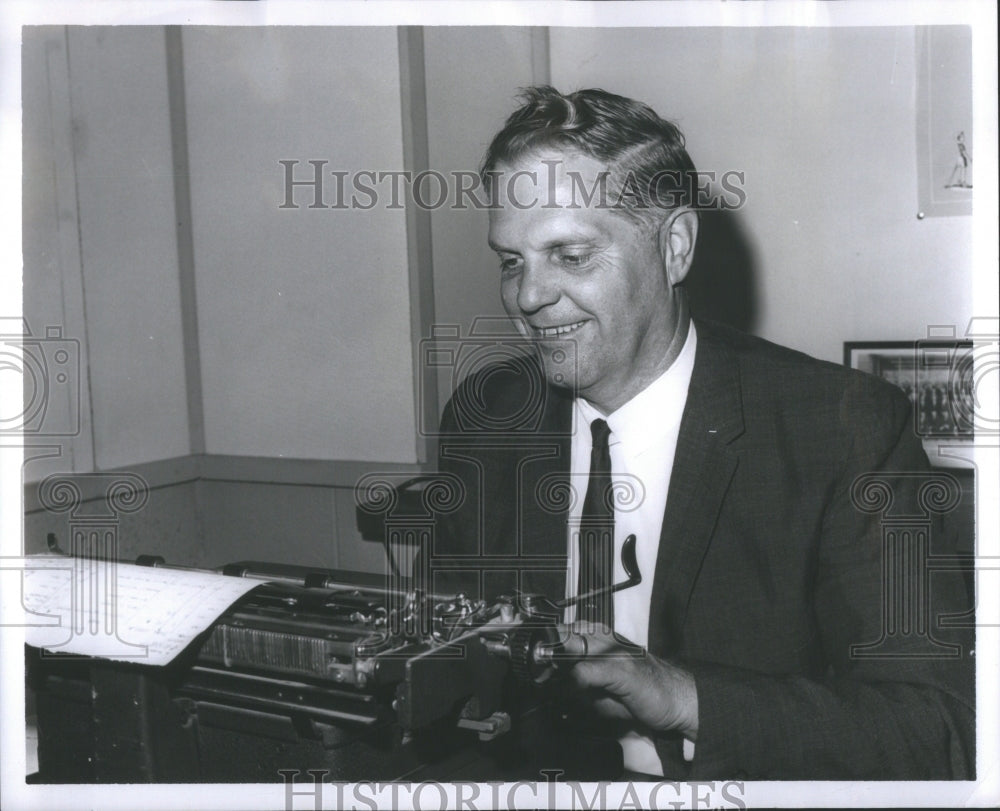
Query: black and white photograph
[[499, 405]]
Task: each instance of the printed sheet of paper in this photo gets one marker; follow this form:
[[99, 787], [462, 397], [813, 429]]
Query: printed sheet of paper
[[121, 611]]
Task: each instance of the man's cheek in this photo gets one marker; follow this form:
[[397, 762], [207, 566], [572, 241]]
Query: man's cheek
[[508, 295]]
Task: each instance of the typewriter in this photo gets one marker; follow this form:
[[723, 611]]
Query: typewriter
[[335, 671]]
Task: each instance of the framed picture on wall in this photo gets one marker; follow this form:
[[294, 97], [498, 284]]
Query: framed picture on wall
[[944, 120], [937, 376]]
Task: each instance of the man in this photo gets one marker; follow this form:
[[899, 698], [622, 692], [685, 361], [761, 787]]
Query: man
[[757, 538]]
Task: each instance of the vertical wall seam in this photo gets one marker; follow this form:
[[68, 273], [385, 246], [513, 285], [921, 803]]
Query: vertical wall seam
[[185, 238], [416, 159], [541, 63], [91, 450]]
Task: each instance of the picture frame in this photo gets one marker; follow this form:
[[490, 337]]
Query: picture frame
[[937, 377], [944, 121]]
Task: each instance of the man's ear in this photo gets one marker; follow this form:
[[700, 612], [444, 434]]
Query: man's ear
[[678, 235]]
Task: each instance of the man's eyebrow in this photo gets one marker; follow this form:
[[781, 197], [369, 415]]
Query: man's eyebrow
[[564, 241], [560, 242]]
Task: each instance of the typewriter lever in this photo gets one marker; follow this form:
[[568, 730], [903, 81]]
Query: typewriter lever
[[540, 643]]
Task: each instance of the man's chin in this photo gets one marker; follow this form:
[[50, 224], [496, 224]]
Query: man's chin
[[559, 362], [562, 378]]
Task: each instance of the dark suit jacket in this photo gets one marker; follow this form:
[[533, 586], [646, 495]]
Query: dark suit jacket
[[778, 583]]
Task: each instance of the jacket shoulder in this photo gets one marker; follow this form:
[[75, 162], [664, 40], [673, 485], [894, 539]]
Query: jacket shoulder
[[786, 385], [793, 374]]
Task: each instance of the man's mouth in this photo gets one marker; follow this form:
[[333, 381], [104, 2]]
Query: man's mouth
[[558, 332]]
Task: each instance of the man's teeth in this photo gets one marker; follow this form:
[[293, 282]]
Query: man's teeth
[[552, 332]]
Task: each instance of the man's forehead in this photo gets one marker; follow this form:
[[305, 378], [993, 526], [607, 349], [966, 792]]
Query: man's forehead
[[551, 179], [538, 227]]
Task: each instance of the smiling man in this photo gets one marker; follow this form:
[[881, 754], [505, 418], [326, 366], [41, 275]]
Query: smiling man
[[738, 466]]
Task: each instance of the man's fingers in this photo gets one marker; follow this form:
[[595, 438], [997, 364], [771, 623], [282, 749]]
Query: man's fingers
[[605, 671], [600, 638], [608, 707]]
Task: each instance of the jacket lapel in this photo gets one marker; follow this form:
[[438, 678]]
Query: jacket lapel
[[542, 476], [703, 468]]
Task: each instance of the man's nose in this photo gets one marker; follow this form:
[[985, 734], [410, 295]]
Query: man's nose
[[538, 287]]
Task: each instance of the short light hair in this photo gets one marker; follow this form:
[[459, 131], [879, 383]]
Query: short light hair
[[641, 150]]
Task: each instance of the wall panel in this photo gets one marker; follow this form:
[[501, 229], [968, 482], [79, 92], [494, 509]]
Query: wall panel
[[304, 322], [124, 171]]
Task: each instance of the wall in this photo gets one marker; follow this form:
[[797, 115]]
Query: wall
[[303, 314], [303, 325], [822, 120], [128, 246], [99, 244]]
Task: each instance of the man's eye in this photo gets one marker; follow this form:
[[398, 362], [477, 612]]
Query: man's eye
[[510, 262], [574, 259]]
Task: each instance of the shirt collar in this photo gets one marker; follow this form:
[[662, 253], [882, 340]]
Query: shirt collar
[[654, 411]]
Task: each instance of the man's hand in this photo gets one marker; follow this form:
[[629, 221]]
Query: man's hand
[[635, 685]]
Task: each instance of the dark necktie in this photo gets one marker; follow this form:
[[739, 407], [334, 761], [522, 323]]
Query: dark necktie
[[597, 532]]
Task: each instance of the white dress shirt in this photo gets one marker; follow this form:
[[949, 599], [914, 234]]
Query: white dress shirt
[[642, 445]]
